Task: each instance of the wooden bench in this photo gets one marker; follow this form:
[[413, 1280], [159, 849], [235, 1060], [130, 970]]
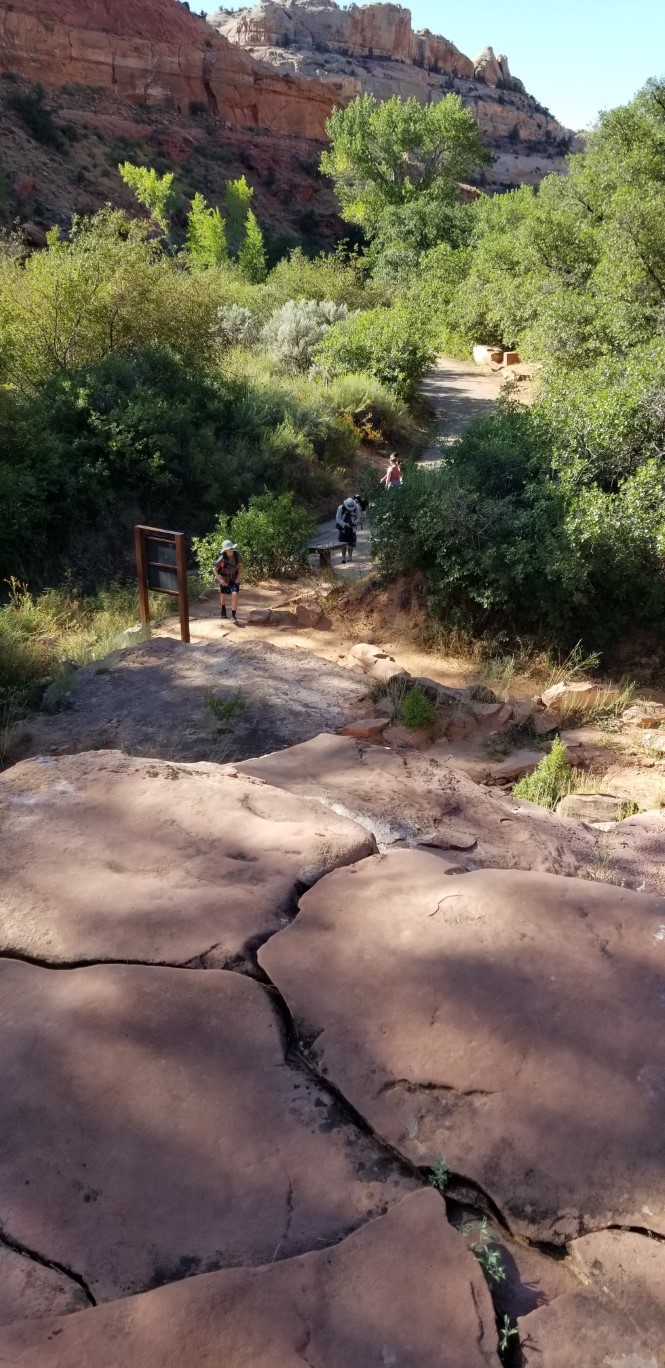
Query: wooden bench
[[324, 554]]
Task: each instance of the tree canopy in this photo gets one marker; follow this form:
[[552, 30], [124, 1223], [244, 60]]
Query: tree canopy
[[390, 153]]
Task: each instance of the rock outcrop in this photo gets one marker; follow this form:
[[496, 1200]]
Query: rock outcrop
[[153, 52], [374, 48]]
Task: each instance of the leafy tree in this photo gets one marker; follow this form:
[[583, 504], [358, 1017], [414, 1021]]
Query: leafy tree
[[391, 344], [206, 236], [389, 153], [238, 197], [156, 193], [252, 255], [273, 533]]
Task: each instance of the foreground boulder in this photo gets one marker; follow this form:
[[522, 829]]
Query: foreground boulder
[[110, 858], [617, 1320], [419, 799], [513, 1027], [401, 1291], [163, 698], [153, 1128]]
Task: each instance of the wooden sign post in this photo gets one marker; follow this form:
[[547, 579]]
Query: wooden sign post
[[161, 563]]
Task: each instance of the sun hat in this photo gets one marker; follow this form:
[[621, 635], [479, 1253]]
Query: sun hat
[[229, 546], [349, 503]]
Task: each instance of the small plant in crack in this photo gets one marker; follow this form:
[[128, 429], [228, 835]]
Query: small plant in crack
[[506, 1333], [483, 1247], [440, 1176]]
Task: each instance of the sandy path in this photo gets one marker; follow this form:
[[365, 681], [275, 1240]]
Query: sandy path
[[458, 393]]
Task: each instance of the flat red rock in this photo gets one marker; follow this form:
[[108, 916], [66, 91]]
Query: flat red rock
[[402, 1291], [617, 1320], [152, 1127], [508, 1022], [106, 857], [418, 797]]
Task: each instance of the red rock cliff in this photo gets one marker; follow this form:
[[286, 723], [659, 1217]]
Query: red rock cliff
[[150, 51]]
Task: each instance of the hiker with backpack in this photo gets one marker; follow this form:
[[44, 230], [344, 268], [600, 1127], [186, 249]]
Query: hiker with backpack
[[393, 476], [227, 570], [346, 522]]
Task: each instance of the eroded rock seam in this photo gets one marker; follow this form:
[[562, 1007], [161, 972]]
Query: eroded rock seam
[[35, 1257]]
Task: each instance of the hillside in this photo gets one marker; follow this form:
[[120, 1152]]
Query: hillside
[[374, 48]]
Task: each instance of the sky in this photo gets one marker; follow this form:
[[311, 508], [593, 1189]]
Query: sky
[[576, 56]]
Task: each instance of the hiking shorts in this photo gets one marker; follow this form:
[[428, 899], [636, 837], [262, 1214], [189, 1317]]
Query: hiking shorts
[[232, 587]]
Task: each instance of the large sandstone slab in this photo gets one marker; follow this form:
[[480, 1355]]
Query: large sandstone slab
[[509, 1022], [105, 857], [155, 699], [153, 1128], [401, 1291], [419, 798], [27, 1289], [617, 1320]]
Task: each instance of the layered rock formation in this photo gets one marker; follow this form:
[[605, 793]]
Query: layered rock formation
[[151, 53], [375, 48]]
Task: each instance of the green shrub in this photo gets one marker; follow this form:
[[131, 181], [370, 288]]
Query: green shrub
[[272, 533], [417, 710], [550, 780], [294, 330], [38, 120], [330, 276], [387, 343]]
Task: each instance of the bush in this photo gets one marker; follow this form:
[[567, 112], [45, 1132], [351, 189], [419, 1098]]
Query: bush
[[294, 330], [387, 343], [417, 710], [329, 276], [35, 116], [272, 532], [235, 326], [550, 780]]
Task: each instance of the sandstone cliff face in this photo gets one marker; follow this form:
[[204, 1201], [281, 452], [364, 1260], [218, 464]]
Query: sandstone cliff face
[[374, 48], [151, 52]]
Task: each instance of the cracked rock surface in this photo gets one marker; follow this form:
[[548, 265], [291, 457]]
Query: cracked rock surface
[[105, 857], [415, 797], [28, 1289], [513, 1026], [152, 1128], [400, 1293], [617, 1320]]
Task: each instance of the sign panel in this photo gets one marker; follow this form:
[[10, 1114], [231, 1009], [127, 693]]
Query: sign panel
[[161, 563]]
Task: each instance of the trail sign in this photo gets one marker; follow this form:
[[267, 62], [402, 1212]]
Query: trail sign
[[161, 564]]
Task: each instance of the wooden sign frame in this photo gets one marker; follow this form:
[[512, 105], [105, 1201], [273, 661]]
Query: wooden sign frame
[[161, 564]]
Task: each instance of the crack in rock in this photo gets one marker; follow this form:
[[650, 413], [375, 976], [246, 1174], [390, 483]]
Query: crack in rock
[[43, 1262]]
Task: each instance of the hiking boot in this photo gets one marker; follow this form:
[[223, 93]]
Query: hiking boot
[[235, 621], [223, 613]]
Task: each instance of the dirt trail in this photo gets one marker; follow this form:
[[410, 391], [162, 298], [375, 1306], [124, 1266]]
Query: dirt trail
[[458, 392]]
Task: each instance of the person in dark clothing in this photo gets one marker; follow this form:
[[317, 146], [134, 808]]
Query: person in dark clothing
[[346, 521], [227, 570], [363, 505]]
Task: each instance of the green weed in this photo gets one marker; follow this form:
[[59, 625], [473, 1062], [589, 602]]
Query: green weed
[[484, 1248], [223, 710], [440, 1176], [506, 1333], [417, 710], [550, 780]]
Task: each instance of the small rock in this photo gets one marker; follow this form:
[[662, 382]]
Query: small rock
[[365, 727], [462, 726], [282, 618], [259, 617], [655, 741], [450, 840], [581, 694], [593, 807], [311, 615], [485, 711], [646, 716], [545, 722], [523, 711], [516, 766], [385, 707], [407, 736], [503, 719], [385, 669]]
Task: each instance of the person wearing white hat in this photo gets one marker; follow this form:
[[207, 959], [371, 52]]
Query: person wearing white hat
[[346, 522], [227, 570]]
